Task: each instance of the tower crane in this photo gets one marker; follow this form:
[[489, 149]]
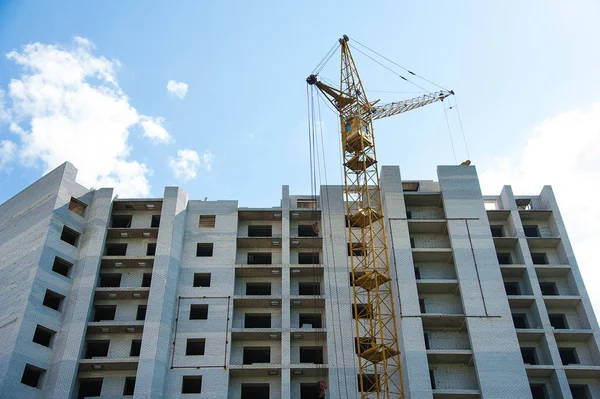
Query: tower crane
[[375, 319]]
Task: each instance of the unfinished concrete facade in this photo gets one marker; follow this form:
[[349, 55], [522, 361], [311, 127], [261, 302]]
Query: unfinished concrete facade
[[170, 297]]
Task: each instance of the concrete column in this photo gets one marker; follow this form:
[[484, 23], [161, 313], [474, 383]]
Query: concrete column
[[162, 300], [496, 353]]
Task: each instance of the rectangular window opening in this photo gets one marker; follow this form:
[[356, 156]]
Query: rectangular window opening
[[364, 310], [129, 386], [580, 392], [309, 390], [357, 249], [357, 275], [207, 221], [53, 300], [520, 320], [568, 356], [32, 376], [151, 249], [155, 221], [201, 279], [370, 382], [146, 279], [255, 391], [260, 231], [104, 312], [310, 320], [204, 249], [497, 231], [307, 230], [96, 349], [312, 355], [538, 391], [548, 288], [531, 231], [257, 320], [539, 258], [136, 347], [77, 207], [253, 355], [195, 346], [365, 343], [191, 384], [61, 266], [121, 221], [110, 280], [308, 258], [306, 203], [141, 312], [69, 236], [116, 250], [504, 258], [198, 312], [43, 336], [260, 258], [529, 356], [258, 288], [512, 288], [410, 186], [309, 288], [558, 321], [89, 387]]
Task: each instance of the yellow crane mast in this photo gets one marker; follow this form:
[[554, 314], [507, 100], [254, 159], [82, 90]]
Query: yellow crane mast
[[375, 319]]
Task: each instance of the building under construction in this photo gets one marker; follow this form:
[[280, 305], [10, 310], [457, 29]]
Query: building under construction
[[171, 297]]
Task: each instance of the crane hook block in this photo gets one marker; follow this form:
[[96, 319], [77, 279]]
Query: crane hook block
[[312, 79]]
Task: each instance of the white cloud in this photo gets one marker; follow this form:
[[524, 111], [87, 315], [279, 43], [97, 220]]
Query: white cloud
[[8, 150], [178, 89], [562, 151], [154, 130], [67, 105], [185, 165], [4, 114]]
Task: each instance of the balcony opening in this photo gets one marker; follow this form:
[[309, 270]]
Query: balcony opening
[[201, 279], [89, 387], [204, 249], [365, 343], [32, 376], [207, 221], [529, 356], [260, 231], [310, 320], [61, 266], [255, 391], [136, 347], [77, 207], [141, 312], [104, 312], [43, 336], [258, 288], [311, 355], [512, 288], [195, 347], [110, 280], [539, 258], [497, 231], [417, 273], [191, 384], [307, 230], [155, 222], [96, 349], [198, 312], [369, 382], [53, 300], [260, 258], [146, 279], [256, 355], [580, 392], [151, 249], [306, 203], [305, 288], [524, 204], [548, 288], [129, 387], [357, 249], [309, 390], [257, 320], [308, 258], [69, 236], [531, 231], [116, 249], [121, 221], [357, 275], [520, 320], [504, 258], [558, 321], [568, 356]]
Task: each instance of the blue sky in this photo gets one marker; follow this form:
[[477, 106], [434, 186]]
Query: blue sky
[[525, 74]]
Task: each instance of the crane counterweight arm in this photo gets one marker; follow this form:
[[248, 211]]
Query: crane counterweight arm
[[395, 108]]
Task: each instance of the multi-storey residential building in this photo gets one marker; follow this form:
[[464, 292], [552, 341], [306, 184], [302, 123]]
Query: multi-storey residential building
[[170, 297]]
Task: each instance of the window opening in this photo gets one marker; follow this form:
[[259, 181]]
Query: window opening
[[520, 320], [110, 280], [116, 249], [195, 346], [357, 249], [548, 288], [53, 300], [121, 221], [432, 378], [311, 355], [568, 356], [310, 320], [77, 207], [256, 355], [529, 356], [512, 288], [308, 258], [412, 242], [89, 387], [259, 258], [96, 349], [370, 382], [305, 288], [426, 339], [191, 384], [531, 231], [207, 221], [260, 231], [104, 312], [422, 305], [365, 343], [69, 236], [409, 215], [146, 279], [497, 231], [129, 386], [307, 230], [357, 275], [255, 391], [204, 249], [136, 347], [141, 312], [198, 312], [155, 222], [539, 258], [201, 279], [524, 204], [309, 390], [538, 391], [32, 375], [417, 273], [558, 321], [151, 249], [61, 266], [364, 311], [257, 320], [579, 391], [258, 288], [504, 258], [306, 203], [410, 186], [43, 336]]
